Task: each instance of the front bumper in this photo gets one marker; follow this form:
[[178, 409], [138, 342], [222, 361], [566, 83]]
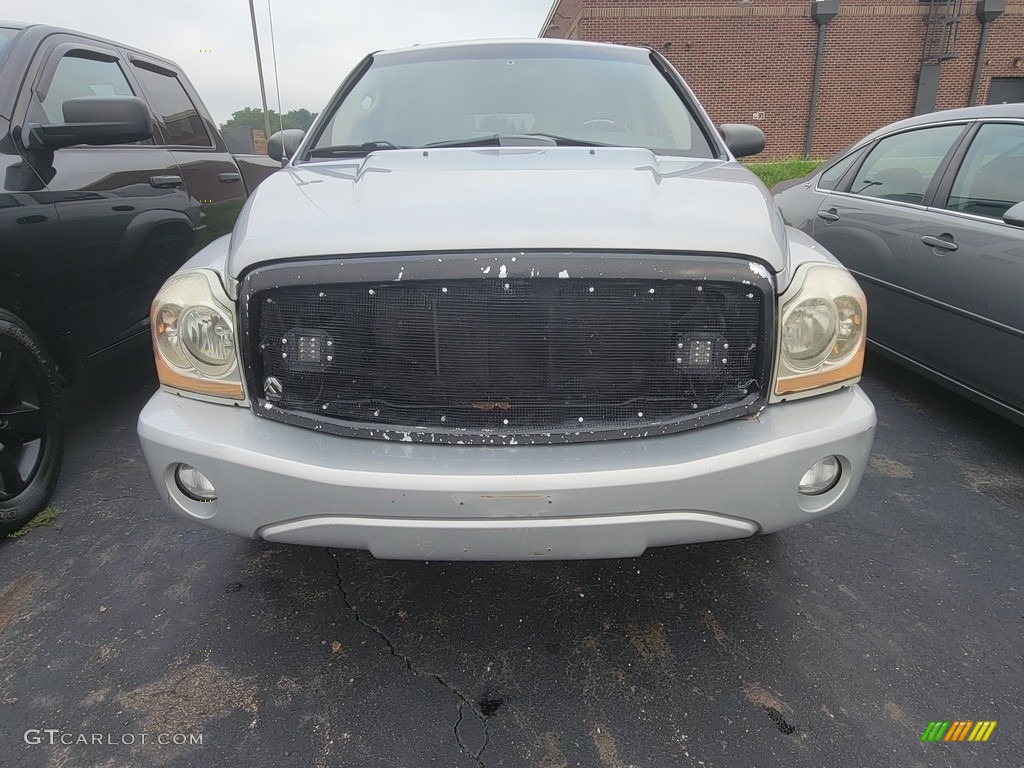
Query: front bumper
[[447, 502]]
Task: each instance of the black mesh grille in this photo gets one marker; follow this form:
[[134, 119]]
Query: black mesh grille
[[466, 359]]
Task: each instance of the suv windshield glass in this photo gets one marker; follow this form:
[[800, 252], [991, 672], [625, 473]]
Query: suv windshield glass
[[461, 94], [5, 37]]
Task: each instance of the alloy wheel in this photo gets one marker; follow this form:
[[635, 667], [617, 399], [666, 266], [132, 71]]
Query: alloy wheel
[[23, 422]]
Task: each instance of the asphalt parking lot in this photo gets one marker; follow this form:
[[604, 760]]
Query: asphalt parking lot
[[833, 644]]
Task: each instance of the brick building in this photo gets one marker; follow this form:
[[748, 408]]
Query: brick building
[[753, 61]]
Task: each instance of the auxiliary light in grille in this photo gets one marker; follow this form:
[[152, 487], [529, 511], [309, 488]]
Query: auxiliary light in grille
[[702, 351], [307, 350]]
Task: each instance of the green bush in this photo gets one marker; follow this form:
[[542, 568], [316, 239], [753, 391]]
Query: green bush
[[773, 173]]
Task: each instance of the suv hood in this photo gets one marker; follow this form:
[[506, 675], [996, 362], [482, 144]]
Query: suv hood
[[458, 199]]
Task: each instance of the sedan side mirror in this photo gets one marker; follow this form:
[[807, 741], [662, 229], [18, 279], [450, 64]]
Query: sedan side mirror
[[742, 140], [94, 120], [1015, 215], [284, 144]]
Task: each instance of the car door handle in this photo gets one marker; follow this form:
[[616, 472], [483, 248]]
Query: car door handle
[[229, 178], [829, 215], [33, 219], [940, 242], [165, 182]]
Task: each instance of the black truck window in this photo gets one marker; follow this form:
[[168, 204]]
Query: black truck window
[[79, 74], [167, 96]]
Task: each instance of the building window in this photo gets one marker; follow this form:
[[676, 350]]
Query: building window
[[1006, 90]]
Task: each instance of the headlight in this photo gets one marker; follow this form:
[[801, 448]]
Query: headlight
[[207, 337], [194, 336], [821, 331], [809, 332]]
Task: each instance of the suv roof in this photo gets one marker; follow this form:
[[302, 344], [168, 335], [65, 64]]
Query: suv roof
[[617, 51]]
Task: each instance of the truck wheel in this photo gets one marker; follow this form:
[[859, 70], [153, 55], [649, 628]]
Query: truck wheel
[[31, 424]]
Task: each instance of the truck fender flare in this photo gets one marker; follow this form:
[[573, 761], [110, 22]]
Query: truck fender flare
[[148, 222]]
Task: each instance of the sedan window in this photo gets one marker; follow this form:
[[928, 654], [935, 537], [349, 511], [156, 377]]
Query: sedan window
[[901, 167], [831, 176], [991, 179]]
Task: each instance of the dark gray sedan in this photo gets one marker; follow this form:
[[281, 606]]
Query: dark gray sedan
[[927, 214]]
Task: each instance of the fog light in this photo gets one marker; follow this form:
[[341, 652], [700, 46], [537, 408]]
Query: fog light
[[821, 477], [194, 483]]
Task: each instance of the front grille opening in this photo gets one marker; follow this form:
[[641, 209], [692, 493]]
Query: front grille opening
[[509, 356]]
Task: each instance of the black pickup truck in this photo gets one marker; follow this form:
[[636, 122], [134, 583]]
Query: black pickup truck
[[113, 175]]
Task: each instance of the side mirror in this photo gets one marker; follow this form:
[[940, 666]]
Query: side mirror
[[94, 120], [283, 144], [742, 140], [1015, 215]]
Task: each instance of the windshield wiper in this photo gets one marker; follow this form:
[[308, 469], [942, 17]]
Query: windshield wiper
[[517, 140], [494, 140], [353, 149]]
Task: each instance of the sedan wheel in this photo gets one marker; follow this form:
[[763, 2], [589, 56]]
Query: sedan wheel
[[31, 424]]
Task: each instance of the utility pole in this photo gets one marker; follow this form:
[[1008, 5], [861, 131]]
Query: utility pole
[[259, 69]]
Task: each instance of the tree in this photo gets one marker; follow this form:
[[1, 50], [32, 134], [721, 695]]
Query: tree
[[253, 117]]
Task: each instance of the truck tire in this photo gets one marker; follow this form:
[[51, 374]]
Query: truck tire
[[31, 424]]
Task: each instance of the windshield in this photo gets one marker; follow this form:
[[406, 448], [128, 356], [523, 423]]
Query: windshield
[[456, 94], [5, 37]]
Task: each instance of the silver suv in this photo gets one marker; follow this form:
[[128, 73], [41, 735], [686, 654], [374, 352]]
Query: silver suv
[[510, 300]]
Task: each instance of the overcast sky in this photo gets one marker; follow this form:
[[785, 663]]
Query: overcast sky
[[318, 41]]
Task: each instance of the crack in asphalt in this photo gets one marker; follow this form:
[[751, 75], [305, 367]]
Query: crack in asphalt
[[464, 701]]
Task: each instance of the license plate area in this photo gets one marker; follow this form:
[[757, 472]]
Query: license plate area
[[502, 505]]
